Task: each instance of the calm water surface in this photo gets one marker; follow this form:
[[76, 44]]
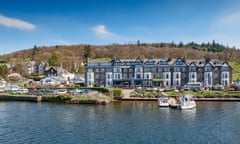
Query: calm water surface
[[118, 123]]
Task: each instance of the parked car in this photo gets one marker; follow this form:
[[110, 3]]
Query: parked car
[[62, 91], [218, 87], [41, 91], [22, 91]]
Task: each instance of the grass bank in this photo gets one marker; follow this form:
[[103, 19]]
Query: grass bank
[[200, 94]]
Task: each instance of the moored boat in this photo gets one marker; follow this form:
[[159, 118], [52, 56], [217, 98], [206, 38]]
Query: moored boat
[[186, 102], [163, 102]]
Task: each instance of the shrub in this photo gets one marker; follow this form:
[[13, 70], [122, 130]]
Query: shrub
[[133, 94], [148, 94], [100, 89], [60, 97], [117, 92]]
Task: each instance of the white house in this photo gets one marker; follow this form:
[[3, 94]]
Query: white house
[[50, 81]]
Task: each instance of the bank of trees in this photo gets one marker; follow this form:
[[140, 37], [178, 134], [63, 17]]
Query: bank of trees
[[73, 57]]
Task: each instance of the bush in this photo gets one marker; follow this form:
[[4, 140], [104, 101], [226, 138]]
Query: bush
[[148, 94], [60, 97], [100, 89], [133, 94], [117, 92]]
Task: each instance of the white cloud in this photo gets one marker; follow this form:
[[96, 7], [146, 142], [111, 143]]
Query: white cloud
[[15, 23], [231, 18], [101, 31]]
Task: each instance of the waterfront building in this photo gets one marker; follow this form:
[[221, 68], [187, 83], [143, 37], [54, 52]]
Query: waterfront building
[[157, 73], [36, 67]]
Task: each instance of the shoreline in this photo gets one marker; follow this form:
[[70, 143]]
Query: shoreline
[[227, 99], [35, 98]]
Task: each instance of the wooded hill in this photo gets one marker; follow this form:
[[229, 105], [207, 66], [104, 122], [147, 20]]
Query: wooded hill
[[71, 57]]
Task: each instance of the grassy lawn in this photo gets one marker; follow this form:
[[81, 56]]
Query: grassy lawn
[[235, 70], [209, 93], [95, 97], [194, 93]]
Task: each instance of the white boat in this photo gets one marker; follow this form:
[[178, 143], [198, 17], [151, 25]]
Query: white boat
[[186, 102], [163, 102]]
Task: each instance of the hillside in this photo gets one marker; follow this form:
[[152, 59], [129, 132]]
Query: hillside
[[71, 57]]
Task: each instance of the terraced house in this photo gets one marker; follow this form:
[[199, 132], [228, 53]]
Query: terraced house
[[158, 73]]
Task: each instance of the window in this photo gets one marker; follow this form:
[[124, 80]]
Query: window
[[183, 69], [96, 70], [102, 70], [177, 69], [138, 69], [108, 70], [125, 70], [125, 76], [154, 69], [146, 69], [226, 75], [166, 76], [192, 68], [118, 70], [159, 69], [130, 75], [147, 76], [177, 76], [108, 76], [208, 68], [166, 69], [119, 76], [193, 76], [97, 76], [138, 76]]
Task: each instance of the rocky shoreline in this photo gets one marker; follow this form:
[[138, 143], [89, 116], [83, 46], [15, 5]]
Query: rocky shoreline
[[46, 99], [100, 102]]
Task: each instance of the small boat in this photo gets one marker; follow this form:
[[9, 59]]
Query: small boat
[[186, 102], [163, 102]]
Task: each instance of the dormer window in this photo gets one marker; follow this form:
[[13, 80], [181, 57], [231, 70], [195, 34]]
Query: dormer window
[[193, 76], [208, 68]]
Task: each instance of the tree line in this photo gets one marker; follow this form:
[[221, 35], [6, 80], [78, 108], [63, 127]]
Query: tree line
[[73, 57]]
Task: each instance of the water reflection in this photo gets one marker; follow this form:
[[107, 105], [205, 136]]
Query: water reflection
[[189, 114], [132, 122]]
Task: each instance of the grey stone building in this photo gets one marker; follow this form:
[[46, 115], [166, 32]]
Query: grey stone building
[[157, 73]]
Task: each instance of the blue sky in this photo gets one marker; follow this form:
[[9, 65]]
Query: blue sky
[[25, 23]]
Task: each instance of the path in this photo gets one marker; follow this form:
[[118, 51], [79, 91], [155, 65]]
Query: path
[[127, 92]]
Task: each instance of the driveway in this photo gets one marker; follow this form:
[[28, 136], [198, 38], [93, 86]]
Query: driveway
[[127, 92]]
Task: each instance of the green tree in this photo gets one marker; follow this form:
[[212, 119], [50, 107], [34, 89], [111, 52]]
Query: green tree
[[3, 71], [35, 48], [20, 68], [54, 59], [86, 53], [180, 44]]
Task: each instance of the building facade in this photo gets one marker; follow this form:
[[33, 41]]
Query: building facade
[[157, 73], [36, 67]]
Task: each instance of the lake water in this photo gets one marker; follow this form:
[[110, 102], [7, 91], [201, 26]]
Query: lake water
[[118, 123]]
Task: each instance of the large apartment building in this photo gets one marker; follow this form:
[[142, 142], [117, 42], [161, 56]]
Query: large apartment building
[[158, 73]]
